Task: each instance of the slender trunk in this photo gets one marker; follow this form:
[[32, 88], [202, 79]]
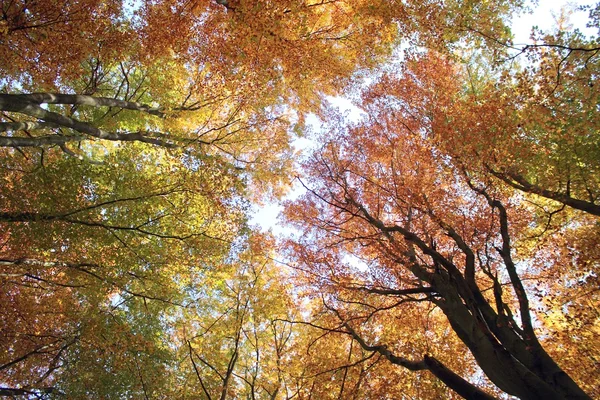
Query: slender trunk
[[21, 104], [454, 381], [520, 183], [28, 217], [25, 126], [450, 379], [35, 393], [79, 99], [38, 141]]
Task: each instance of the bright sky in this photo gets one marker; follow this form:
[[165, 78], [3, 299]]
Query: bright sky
[[544, 17]]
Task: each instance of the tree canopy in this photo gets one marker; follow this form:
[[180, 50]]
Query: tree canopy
[[444, 244]]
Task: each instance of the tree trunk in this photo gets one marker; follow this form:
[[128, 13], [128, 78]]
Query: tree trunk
[[28, 104]]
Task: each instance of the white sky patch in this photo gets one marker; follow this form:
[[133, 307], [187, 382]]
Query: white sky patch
[[345, 106], [131, 6], [355, 262], [266, 217], [545, 16]]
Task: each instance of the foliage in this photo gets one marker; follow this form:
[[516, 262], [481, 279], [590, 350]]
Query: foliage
[[446, 244], [422, 194]]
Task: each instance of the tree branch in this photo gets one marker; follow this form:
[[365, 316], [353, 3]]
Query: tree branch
[[451, 379], [519, 182]]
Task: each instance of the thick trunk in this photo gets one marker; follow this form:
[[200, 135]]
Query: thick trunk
[[495, 361], [510, 356], [537, 377]]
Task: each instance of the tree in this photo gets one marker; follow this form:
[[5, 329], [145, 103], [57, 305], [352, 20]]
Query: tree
[[533, 129], [132, 141], [432, 228]]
